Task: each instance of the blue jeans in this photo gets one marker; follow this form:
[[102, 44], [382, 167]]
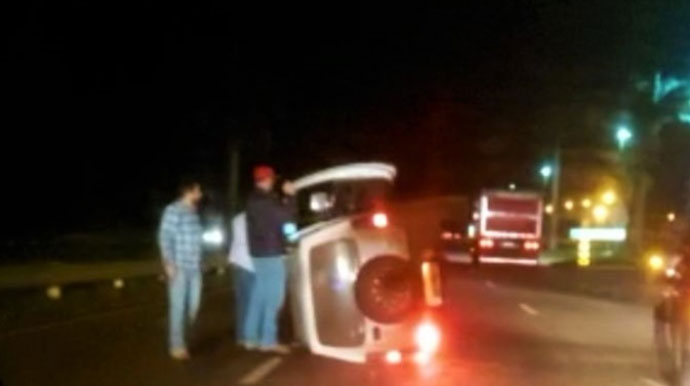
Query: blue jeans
[[184, 297], [243, 281], [265, 301]]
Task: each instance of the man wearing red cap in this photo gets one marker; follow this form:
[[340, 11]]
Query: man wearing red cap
[[267, 213]]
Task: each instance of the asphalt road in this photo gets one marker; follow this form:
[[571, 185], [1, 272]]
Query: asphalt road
[[497, 334]]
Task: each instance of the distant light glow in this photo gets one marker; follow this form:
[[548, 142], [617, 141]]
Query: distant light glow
[[213, 236], [586, 203], [598, 234], [548, 209], [546, 171], [609, 197], [670, 272], [600, 213], [512, 186], [569, 205], [671, 217], [471, 231], [656, 262], [623, 136], [684, 117]]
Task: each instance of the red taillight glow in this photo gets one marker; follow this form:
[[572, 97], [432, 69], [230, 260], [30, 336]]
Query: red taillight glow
[[421, 357], [531, 245], [393, 356], [431, 278], [380, 220], [446, 235], [428, 337], [486, 243]]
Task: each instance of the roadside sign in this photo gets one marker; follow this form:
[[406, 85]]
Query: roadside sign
[[598, 234]]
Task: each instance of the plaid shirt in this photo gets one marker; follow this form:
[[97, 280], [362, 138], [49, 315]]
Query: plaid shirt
[[179, 236]]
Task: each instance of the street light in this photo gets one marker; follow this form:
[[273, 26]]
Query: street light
[[600, 213], [546, 171], [671, 216], [609, 197], [569, 205], [623, 136], [586, 203]]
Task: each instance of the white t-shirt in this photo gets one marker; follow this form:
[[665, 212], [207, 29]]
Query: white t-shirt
[[239, 249]]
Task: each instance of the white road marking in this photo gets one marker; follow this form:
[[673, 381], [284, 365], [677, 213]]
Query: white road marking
[[651, 382], [260, 372], [528, 309], [490, 284]]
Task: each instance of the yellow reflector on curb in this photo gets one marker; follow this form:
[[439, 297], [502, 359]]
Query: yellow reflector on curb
[[118, 283], [583, 253], [54, 292]]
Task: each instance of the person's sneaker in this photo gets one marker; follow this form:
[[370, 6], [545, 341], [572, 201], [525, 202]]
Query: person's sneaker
[[275, 349], [179, 354]]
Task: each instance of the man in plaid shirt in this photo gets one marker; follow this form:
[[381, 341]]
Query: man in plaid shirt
[[179, 238]]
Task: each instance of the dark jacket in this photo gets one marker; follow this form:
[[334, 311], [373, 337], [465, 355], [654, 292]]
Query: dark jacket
[[266, 215]]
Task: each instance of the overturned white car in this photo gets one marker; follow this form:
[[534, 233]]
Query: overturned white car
[[355, 293]]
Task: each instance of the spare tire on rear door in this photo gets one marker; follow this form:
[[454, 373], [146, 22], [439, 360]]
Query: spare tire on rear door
[[387, 289]]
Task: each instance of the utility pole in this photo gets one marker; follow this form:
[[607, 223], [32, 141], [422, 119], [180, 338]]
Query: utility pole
[[555, 199], [687, 200]]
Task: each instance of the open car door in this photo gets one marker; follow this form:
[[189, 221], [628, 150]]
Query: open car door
[[324, 266]]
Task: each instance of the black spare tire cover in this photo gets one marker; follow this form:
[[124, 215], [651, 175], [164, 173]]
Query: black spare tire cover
[[387, 289]]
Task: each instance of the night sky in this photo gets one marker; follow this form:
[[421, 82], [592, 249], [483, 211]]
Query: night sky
[[108, 104]]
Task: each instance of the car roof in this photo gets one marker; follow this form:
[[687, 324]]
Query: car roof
[[354, 171]]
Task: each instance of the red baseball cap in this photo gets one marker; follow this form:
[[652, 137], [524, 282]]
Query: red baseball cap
[[263, 172]]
